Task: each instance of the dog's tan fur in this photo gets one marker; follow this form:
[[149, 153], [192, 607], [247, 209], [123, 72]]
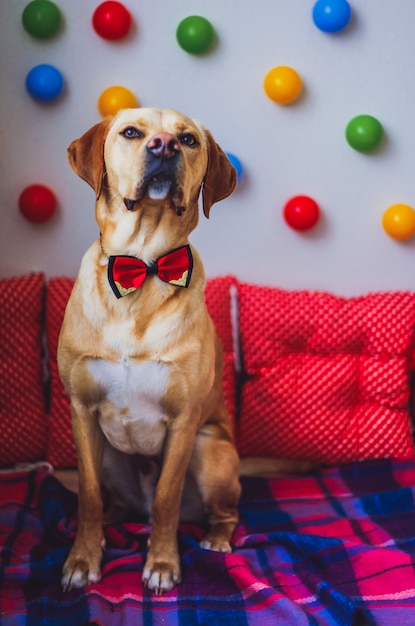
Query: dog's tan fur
[[144, 373]]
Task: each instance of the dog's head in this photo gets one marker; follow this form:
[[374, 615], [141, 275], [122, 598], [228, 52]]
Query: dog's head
[[147, 158]]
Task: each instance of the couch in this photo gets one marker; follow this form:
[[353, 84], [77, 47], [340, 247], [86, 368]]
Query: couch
[[308, 375]]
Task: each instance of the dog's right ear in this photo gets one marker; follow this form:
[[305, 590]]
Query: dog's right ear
[[86, 155]]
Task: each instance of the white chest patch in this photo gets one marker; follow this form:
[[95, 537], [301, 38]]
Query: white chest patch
[[131, 415]]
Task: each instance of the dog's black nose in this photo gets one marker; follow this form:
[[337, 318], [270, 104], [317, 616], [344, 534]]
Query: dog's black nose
[[163, 145]]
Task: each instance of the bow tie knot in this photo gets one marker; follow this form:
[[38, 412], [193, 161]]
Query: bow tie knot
[[127, 273]]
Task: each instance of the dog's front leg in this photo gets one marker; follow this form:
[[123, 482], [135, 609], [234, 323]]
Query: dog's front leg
[[162, 569], [83, 565]]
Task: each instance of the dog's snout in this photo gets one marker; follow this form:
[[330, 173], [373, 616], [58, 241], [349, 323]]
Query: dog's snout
[[163, 145]]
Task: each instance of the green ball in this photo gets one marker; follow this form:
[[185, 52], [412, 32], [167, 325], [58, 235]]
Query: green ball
[[195, 34], [41, 18], [364, 133]]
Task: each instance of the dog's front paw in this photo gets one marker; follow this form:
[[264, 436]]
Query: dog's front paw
[[82, 569], [161, 576]]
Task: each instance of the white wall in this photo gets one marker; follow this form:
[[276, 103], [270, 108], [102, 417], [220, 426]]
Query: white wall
[[298, 149]]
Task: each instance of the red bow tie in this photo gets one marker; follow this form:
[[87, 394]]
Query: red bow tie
[[127, 273]]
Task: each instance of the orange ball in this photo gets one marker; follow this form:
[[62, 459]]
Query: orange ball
[[115, 98], [283, 84], [399, 221]]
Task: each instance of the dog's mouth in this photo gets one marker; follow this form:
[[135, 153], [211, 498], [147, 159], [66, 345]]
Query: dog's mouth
[[159, 186]]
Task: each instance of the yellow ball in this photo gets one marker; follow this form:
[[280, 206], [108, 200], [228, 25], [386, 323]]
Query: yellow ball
[[283, 84], [115, 98], [399, 221]]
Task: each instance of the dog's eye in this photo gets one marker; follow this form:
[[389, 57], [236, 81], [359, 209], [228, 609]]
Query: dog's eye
[[131, 133], [188, 139]]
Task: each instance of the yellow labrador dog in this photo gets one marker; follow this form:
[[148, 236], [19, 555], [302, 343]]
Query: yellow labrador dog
[[138, 353]]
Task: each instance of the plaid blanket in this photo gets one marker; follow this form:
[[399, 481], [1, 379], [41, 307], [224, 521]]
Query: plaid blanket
[[332, 548]]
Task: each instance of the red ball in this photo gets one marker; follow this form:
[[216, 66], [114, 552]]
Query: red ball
[[111, 20], [37, 203], [301, 213]]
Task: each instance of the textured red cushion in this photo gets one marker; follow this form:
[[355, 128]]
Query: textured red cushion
[[218, 300], [22, 403], [327, 378], [61, 450]]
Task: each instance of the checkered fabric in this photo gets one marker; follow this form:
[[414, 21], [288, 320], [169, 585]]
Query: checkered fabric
[[22, 406], [326, 377], [61, 450], [335, 548]]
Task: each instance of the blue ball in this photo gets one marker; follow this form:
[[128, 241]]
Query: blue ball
[[331, 16], [237, 165], [44, 83]]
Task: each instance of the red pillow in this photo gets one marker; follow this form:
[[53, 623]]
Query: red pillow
[[61, 449], [218, 294], [22, 405], [327, 378]]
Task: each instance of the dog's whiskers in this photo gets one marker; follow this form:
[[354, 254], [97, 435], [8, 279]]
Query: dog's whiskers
[[116, 196]]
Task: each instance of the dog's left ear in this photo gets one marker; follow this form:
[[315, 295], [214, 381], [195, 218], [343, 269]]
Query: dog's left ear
[[220, 177], [86, 155]]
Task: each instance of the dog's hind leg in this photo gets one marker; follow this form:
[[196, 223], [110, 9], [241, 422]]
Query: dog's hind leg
[[215, 466]]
